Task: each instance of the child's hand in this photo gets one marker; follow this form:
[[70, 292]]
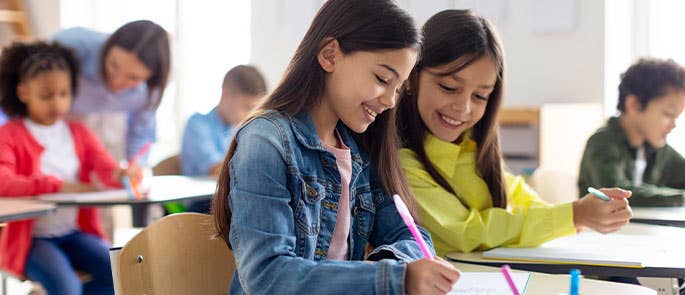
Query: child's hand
[[133, 172], [76, 187], [602, 216], [434, 276]]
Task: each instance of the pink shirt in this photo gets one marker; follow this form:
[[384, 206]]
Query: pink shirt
[[339, 242]]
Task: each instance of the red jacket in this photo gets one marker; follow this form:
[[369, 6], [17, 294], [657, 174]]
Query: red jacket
[[20, 176]]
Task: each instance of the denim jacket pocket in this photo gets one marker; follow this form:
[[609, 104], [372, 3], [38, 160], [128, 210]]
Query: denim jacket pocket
[[364, 211], [308, 210]]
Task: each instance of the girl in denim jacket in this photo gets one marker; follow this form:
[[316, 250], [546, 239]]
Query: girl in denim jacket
[[305, 185]]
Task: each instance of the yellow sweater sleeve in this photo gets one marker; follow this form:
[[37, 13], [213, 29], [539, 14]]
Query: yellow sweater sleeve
[[454, 227]]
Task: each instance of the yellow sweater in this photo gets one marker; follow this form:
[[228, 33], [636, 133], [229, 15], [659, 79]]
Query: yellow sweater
[[476, 225]]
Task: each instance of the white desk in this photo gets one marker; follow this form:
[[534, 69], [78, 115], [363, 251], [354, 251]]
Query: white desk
[[558, 284], [671, 216], [163, 189], [660, 249], [17, 209]]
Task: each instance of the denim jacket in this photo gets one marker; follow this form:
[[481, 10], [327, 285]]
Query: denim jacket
[[284, 197]]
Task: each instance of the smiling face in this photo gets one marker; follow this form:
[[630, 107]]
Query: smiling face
[[123, 70], [657, 119], [47, 96], [360, 85], [451, 104]]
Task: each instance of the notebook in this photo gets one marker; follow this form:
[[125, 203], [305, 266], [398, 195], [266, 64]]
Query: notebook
[[587, 248], [476, 283]]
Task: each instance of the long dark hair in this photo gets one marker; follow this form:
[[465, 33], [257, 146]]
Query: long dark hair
[[23, 61], [149, 42], [357, 25], [459, 37]]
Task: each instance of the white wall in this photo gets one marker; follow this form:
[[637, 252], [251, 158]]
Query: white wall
[[550, 67], [556, 67], [44, 17]]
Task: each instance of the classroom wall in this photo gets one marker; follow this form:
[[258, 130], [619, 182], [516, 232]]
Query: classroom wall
[[541, 67], [44, 16]]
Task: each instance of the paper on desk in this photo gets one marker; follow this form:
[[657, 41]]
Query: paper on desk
[[113, 195], [491, 283]]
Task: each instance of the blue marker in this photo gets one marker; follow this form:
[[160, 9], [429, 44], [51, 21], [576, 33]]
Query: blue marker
[[597, 193], [575, 281], [129, 188]]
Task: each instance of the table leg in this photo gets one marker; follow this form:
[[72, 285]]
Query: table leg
[[140, 215]]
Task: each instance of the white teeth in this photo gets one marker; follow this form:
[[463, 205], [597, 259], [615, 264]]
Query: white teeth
[[371, 112], [451, 121]]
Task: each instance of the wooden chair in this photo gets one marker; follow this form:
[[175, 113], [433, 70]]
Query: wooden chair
[[175, 255], [168, 166]]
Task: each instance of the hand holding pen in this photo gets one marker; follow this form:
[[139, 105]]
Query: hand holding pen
[[605, 210], [131, 175], [430, 275]]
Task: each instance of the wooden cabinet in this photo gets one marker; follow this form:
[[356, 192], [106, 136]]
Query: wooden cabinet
[[520, 138]]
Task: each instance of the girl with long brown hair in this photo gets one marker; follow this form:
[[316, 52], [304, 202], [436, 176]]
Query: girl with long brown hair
[[448, 123], [306, 183]]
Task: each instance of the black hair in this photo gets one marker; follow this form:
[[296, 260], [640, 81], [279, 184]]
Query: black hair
[[650, 78], [22, 61]]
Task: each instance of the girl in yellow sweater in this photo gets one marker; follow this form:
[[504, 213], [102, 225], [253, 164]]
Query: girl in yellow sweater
[[447, 118]]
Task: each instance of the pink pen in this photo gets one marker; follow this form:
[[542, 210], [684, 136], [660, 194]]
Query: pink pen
[[409, 221], [506, 271]]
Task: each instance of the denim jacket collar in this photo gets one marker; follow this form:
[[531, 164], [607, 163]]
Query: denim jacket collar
[[305, 132], [614, 125]]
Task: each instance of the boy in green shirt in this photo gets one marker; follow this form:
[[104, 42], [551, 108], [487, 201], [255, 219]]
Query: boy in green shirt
[[630, 152]]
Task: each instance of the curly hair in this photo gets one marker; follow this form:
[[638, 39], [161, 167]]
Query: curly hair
[[23, 61], [650, 78]]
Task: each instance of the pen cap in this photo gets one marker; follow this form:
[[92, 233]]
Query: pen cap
[[575, 281], [402, 208]]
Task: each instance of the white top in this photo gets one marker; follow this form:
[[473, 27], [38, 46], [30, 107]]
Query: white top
[[58, 159], [640, 165]]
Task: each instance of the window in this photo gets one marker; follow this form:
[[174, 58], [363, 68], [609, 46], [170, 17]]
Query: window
[[639, 28]]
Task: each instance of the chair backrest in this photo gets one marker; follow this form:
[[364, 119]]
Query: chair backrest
[[175, 255], [168, 166]]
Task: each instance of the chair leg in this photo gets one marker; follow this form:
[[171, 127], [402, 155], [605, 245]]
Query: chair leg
[[3, 280]]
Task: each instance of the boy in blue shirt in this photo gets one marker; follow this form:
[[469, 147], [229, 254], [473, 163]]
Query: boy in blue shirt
[[206, 137]]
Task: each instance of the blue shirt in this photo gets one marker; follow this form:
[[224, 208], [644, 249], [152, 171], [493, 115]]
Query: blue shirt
[[284, 195], [93, 96], [205, 143], [3, 118]]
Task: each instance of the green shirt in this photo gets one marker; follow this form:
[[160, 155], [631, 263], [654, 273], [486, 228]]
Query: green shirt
[[468, 222], [609, 161]]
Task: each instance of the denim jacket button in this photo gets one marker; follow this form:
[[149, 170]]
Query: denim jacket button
[[355, 211]]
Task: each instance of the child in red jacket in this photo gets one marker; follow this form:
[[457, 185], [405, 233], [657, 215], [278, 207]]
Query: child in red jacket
[[41, 152]]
